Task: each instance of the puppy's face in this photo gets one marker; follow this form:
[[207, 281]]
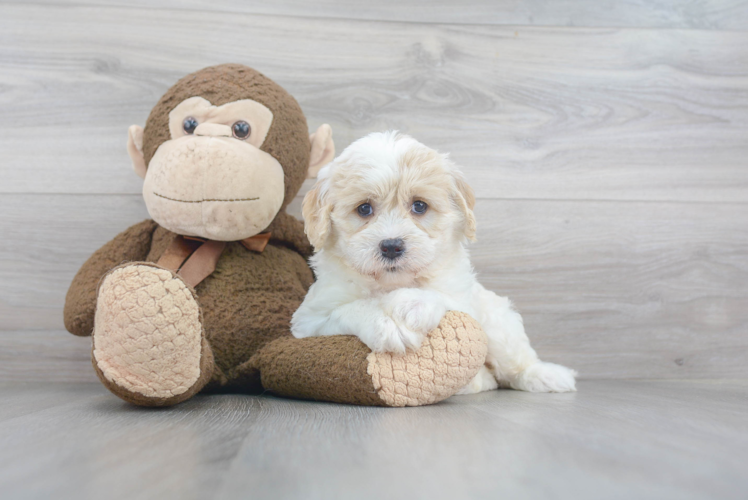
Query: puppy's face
[[390, 208]]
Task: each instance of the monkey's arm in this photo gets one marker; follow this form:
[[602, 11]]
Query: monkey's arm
[[133, 244], [343, 369]]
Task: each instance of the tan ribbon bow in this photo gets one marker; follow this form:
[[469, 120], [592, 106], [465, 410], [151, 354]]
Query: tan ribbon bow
[[194, 259]]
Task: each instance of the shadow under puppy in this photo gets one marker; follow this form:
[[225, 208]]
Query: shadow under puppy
[[390, 220]]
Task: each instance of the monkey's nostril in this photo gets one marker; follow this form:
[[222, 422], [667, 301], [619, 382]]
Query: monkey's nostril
[[392, 248]]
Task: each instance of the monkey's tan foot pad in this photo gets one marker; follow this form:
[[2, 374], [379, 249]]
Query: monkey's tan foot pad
[[449, 358], [343, 369], [148, 342]]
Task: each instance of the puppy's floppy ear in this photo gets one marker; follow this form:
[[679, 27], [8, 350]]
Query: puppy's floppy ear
[[316, 212], [465, 198]]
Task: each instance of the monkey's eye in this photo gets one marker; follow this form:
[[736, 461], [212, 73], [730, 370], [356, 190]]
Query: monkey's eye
[[241, 129], [189, 125], [365, 210], [419, 207]]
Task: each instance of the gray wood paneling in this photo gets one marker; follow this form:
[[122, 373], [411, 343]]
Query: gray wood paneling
[[541, 113], [614, 289], [45, 240], [611, 162], [698, 14], [612, 439]]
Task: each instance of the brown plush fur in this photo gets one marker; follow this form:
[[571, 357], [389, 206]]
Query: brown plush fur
[[133, 244], [246, 306], [248, 300], [288, 138], [319, 368]]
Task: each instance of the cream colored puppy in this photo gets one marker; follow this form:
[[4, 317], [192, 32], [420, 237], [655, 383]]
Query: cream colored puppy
[[389, 220]]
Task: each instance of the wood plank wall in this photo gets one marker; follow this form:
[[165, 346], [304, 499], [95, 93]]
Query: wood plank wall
[[607, 142]]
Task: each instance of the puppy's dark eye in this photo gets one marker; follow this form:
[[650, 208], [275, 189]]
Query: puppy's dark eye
[[365, 210], [419, 207], [189, 125], [241, 129]]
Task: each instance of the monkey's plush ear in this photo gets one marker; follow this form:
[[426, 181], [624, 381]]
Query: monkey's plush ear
[[135, 149], [316, 212], [323, 150]]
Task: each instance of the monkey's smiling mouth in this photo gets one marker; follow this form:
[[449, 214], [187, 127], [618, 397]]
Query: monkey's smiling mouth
[[200, 201]]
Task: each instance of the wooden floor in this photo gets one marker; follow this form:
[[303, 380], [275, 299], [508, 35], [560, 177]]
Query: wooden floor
[[612, 439]]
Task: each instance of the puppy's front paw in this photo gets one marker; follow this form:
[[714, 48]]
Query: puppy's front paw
[[417, 310], [545, 377], [388, 336]]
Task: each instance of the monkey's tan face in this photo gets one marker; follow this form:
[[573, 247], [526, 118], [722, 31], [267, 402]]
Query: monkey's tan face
[[211, 179]]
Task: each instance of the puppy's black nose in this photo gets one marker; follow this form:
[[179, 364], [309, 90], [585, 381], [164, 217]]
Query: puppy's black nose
[[392, 249]]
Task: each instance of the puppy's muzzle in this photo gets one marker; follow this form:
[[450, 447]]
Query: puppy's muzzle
[[392, 249]]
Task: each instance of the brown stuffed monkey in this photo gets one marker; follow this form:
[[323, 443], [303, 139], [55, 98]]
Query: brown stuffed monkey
[[200, 298]]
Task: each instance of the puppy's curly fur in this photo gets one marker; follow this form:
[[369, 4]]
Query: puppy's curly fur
[[388, 186]]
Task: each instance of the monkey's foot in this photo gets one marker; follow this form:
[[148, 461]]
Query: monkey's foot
[[343, 369], [148, 342], [450, 356]]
